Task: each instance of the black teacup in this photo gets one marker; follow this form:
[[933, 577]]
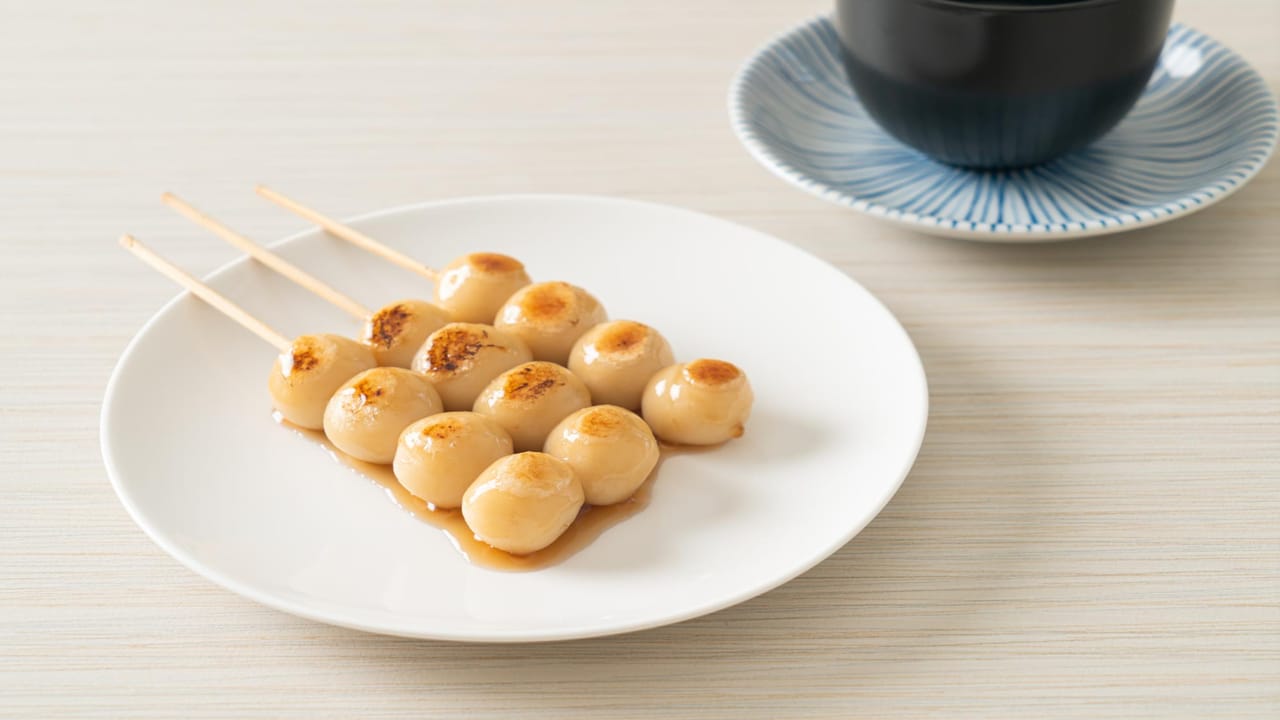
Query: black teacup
[[1000, 83]]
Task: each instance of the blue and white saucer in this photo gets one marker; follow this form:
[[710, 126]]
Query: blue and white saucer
[[1204, 127]]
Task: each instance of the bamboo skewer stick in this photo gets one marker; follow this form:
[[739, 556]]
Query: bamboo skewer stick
[[348, 233], [205, 293], [268, 258]]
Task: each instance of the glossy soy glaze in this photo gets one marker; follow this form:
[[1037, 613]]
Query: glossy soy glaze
[[590, 524]]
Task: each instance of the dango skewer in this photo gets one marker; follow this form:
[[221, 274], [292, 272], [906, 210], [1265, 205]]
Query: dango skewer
[[472, 287], [308, 370], [394, 332]]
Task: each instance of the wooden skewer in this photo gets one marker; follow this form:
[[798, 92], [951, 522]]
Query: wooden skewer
[[205, 293], [350, 234], [268, 258]]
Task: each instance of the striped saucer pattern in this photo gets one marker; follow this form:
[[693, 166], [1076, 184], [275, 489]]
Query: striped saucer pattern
[[1205, 125]]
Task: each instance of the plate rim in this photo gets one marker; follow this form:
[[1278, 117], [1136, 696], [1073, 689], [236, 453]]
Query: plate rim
[[301, 609], [999, 233]]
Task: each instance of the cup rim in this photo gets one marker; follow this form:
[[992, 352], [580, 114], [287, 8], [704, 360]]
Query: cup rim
[[1014, 8]]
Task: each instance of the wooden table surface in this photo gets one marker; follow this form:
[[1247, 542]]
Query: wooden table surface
[[1092, 528]]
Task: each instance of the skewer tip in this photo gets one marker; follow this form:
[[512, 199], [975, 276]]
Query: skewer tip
[[168, 198], [127, 241], [261, 189]]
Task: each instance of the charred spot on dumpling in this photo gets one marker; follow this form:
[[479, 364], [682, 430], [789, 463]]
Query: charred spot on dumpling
[[442, 429], [494, 263], [532, 380], [368, 389], [712, 373], [623, 338], [547, 302], [303, 356], [371, 390], [455, 346], [386, 325], [601, 421]]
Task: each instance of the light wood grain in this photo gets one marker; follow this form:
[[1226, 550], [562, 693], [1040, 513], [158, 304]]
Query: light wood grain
[[1091, 529]]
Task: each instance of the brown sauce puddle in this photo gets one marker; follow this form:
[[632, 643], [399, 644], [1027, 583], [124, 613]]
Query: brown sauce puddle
[[591, 523]]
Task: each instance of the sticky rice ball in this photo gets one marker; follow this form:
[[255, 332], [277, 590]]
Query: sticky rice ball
[[365, 417], [528, 400], [474, 286], [610, 449], [522, 502], [305, 376], [550, 317], [438, 457], [616, 359], [704, 402], [460, 359], [396, 331]]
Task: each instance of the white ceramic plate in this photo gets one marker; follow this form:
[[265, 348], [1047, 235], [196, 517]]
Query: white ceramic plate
[[840, 412]]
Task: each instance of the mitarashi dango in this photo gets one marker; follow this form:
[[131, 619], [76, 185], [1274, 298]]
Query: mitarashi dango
[[460, 359], [610, 449], [616, 359], [523, 502], [528, 400], [704, 402], [365, 417], [550, 317], [438, 457]]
